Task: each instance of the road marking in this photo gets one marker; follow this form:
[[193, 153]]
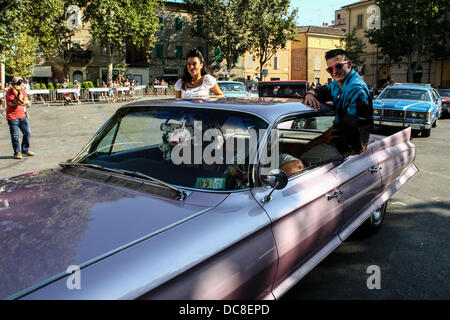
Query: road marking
[[399, 203]]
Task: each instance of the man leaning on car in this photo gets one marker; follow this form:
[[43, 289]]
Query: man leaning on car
[[353, 123]]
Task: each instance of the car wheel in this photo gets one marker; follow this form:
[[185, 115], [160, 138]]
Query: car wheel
[[435, 123], [372, 224], [426, 132]]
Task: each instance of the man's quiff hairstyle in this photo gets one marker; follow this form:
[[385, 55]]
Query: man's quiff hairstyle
[[336, 52]]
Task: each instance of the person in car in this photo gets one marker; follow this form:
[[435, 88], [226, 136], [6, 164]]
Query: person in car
[[196, 81], [353, 123]]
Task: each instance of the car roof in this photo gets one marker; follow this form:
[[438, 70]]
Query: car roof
[[405, 86], [268, 109], [226, 81]]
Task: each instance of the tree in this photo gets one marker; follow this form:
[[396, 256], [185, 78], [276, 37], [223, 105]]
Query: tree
[[116, 23], [354, 47], [35, 19], [223, 24], [271, 27], [410, 31], [22, 56]]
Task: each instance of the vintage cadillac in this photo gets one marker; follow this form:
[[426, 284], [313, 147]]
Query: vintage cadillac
[[408, 105], [127, 219]]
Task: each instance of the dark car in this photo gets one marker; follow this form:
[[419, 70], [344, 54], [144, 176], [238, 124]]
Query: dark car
[[184, 199], [445, 96], [282, 89]]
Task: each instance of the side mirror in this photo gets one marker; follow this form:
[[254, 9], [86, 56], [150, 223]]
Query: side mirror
[[277, 179]]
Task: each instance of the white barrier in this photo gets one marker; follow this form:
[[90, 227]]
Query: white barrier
[[2, 94], [96, 93], [44, 96]]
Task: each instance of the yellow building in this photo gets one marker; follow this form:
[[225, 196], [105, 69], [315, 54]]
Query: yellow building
[[278, 67], [308, 54]]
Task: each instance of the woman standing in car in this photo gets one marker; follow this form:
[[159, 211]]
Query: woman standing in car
[[196, 81]]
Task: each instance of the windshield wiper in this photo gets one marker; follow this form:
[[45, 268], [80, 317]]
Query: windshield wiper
[[182, 194]]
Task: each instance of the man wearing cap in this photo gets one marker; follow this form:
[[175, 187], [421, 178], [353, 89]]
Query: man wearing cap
[[16, 100]]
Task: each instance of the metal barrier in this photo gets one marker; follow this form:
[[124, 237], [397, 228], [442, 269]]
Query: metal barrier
[[98, 94], [160, 89], [67, 95], [44, 96]]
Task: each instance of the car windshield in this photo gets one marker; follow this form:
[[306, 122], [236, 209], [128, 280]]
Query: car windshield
[[405, 94], [187, 147], [232, 87], [444, 92]]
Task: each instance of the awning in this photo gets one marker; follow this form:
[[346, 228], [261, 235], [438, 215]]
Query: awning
[[42, 71]]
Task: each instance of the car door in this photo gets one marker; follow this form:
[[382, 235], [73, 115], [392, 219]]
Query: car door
[[305, 217], [359, 184]]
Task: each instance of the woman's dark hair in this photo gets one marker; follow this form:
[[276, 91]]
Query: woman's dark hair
[[186, 75]]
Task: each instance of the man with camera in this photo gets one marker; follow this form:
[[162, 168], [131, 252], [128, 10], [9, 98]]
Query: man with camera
[[16, 102]]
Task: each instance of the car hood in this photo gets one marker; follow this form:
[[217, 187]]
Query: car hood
[[50, 221], [402, 104]]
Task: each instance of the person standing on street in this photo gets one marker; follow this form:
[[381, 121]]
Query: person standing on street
[[16, 100], [353, 123]]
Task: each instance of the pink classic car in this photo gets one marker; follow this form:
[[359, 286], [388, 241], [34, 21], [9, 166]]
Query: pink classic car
[[184, 199]]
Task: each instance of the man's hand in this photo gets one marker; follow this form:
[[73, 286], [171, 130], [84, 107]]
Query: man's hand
[[311, 100]]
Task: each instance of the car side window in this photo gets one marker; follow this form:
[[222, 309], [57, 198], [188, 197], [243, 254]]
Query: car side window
[[289, 139]]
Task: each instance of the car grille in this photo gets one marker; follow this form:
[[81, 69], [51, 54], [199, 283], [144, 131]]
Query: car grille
[[393, 113]]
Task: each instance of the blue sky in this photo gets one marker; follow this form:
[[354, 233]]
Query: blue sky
[[315, 12]]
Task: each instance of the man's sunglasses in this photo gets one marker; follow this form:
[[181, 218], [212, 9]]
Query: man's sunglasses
[[19, 82], [338, 66]]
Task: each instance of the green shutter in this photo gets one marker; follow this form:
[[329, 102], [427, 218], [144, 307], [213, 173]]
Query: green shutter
[[179, 52], [178, 24], [160, 51], [218, 55]]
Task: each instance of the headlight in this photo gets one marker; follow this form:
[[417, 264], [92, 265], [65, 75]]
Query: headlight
[[377, 112], [417, 115]]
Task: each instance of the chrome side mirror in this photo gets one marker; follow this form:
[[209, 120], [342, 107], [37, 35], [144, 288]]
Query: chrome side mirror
[[277, 179]]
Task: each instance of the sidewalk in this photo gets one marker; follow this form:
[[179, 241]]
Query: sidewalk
[[58, 133]]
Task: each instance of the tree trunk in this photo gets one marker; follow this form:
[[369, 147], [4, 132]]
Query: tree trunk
[[110, 66], [2, 73]]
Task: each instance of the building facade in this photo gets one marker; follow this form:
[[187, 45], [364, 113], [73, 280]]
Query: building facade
[[308, 54], [376, 69]]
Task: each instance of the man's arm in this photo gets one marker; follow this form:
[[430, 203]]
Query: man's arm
[[313, 97]]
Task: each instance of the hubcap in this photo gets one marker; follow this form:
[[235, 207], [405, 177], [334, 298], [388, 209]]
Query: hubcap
[[376, 215]]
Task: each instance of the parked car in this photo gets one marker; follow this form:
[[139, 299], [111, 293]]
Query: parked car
[[124, 219], [283, 89], [235, 89], [408, 105], [445, 96]]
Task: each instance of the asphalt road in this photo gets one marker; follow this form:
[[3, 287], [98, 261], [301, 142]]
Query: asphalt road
[[412, 249]]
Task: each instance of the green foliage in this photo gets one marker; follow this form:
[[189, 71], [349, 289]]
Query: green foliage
[[43, 86], [354, 47], [411, 31], [70, 85], [58, 86], [36, 86], [50, 86], [271, 27], [21, 58], [114, 23], [224, 25], [87, 84]]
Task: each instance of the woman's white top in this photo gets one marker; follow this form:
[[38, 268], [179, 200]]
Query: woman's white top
[[203, 90]]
